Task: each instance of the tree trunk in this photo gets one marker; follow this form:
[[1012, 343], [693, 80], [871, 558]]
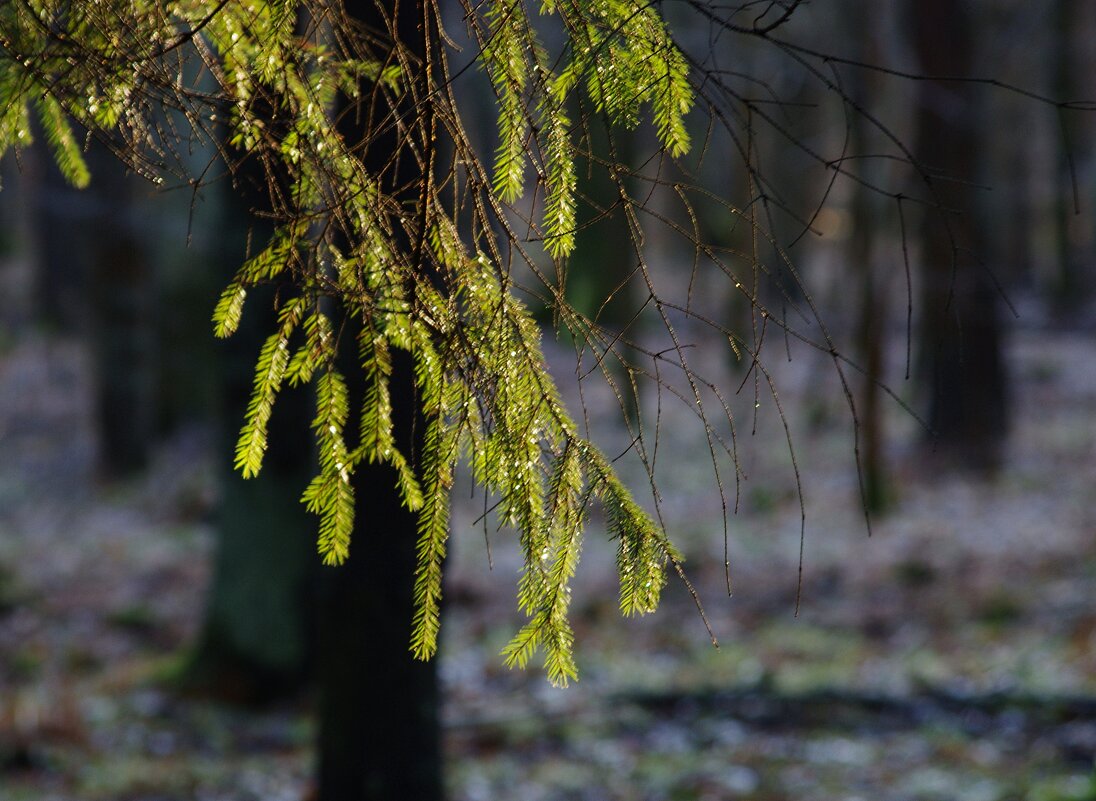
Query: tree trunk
[[61, 220], [378, 715], [123, 293], [95, 279], [258, 636], [18, 249], [961, 332], [379, 728], [871, 353], [603, 274], [870, 216], [1076, 234]]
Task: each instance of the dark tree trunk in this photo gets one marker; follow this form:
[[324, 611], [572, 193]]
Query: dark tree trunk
[[123, 293], [871, 353], [961, 331], [870, 214], [1076, 234], [379, 730], [18, 248], [258, 636], [96, 279], [62, 218], [604, 272], [605, 258]]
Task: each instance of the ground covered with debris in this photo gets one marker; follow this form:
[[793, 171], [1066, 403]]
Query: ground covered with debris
[[951, 655]]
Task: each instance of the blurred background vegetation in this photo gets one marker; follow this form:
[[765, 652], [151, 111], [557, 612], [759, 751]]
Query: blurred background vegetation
[[157, 613]]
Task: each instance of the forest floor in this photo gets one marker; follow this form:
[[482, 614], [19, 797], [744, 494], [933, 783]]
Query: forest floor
[[950, 656]]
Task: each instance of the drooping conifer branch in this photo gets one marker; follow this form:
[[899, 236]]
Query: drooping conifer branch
[[273, 74], [433, 252]]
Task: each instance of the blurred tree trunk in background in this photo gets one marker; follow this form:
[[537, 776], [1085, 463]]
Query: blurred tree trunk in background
[[871, 215], [61, 218], [962, 361], [17, 247], [96, 279], [1076, 230], [257, 637], [782, 190], [604, 255], [256, 640], [603, 273], [123, 313]]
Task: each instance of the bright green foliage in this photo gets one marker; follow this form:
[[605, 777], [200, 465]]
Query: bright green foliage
[[275, 259], [61, 140], [330, 494], [270, 371], [623, 54], [354, 244], [504, 54], [74, 62]]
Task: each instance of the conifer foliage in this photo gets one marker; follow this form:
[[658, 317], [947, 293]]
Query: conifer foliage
[[403, 243], [421, 269]]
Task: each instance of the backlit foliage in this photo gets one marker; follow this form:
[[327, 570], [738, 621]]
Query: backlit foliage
[[354, 243]]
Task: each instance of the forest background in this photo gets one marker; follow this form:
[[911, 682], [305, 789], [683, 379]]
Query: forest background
[[964, 614]]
